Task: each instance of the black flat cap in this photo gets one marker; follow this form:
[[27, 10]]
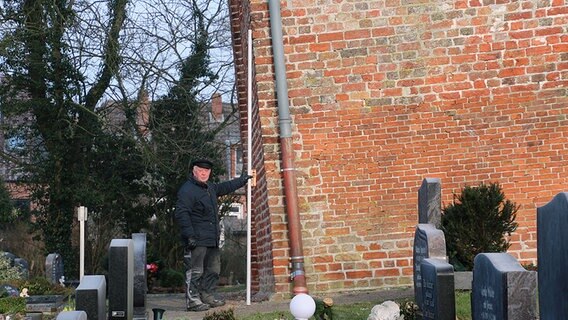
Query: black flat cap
[[202, 163]]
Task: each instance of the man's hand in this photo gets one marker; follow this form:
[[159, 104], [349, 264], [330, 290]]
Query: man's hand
[[245, 176], [191, 243]]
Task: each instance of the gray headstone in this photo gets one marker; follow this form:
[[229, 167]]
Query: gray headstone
[[438, 296], [72, 315], [140, 285], [53, 268], [90, 296], [23, 266], [121, 279], [33, 316], [429, 242], [552, 252], [502, 289], [430, 202], [8, 290]]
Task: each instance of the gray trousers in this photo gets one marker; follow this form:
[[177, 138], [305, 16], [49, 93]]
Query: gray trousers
[[202, 267]]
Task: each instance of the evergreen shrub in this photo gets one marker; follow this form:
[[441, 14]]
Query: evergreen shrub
[[478, 221], [171, 278], [12, 305]]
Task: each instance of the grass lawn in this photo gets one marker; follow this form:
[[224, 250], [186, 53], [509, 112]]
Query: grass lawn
[[360, 311]]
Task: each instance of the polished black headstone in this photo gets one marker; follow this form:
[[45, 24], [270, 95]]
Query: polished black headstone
[[121, 279], [429, 242], [24, 267], [140, 285], [90, 296], [552, 252], [438, 296], [502, 289], [54, 268], [430, 202]]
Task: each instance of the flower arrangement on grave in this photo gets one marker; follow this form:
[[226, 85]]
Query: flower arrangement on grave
[[151, 274]]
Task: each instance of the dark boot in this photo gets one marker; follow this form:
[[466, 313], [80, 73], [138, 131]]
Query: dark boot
[[212, 301], [192, 300], [199, 307]]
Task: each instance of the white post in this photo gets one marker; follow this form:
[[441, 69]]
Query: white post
[[249, 163], [82, 217]]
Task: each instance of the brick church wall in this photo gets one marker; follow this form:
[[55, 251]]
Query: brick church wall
[[386, 93]]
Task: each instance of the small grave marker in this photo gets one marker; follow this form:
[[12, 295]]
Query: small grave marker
[[429, 242], [502, 289], [54, 268], [438, 296]]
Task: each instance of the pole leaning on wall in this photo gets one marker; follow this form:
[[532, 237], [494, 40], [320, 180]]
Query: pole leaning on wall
[[249, 163]]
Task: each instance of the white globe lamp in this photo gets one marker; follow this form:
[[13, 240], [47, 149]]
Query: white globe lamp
[[302, 306]]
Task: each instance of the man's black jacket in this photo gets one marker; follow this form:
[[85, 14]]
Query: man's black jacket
[[197, 212]]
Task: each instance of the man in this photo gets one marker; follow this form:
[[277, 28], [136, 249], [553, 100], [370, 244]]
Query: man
[[197, 215]]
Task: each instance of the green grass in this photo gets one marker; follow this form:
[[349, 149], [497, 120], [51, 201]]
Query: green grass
[[360, 311], [463, 305], [340, 312]]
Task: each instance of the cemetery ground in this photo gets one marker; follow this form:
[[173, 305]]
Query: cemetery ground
[[347, 306]]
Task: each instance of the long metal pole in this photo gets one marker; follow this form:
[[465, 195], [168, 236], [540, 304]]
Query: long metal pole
[[81, 216], [249, 164]]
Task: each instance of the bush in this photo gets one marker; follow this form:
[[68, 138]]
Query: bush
[[234, 258], [477, 221], [39, 286], [7, 271], [221, 315], [12, 305], [171, 278]]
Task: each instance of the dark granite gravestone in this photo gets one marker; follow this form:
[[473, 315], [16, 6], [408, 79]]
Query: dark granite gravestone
[[46, 303], [23, 266], [429, 242], [121, 279], [10, 256], [502, 289], [140, 285], [54, 268], [8, 290], [430, 202], [552, 252], [33, 316], [90, 296], [438, 296]]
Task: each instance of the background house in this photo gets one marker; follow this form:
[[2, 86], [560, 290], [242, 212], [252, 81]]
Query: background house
[[383, 94]]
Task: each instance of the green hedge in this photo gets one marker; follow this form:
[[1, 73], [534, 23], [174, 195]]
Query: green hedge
[[12, 305]]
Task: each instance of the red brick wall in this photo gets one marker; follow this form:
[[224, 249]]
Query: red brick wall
[[262, 276], [386, 93]]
